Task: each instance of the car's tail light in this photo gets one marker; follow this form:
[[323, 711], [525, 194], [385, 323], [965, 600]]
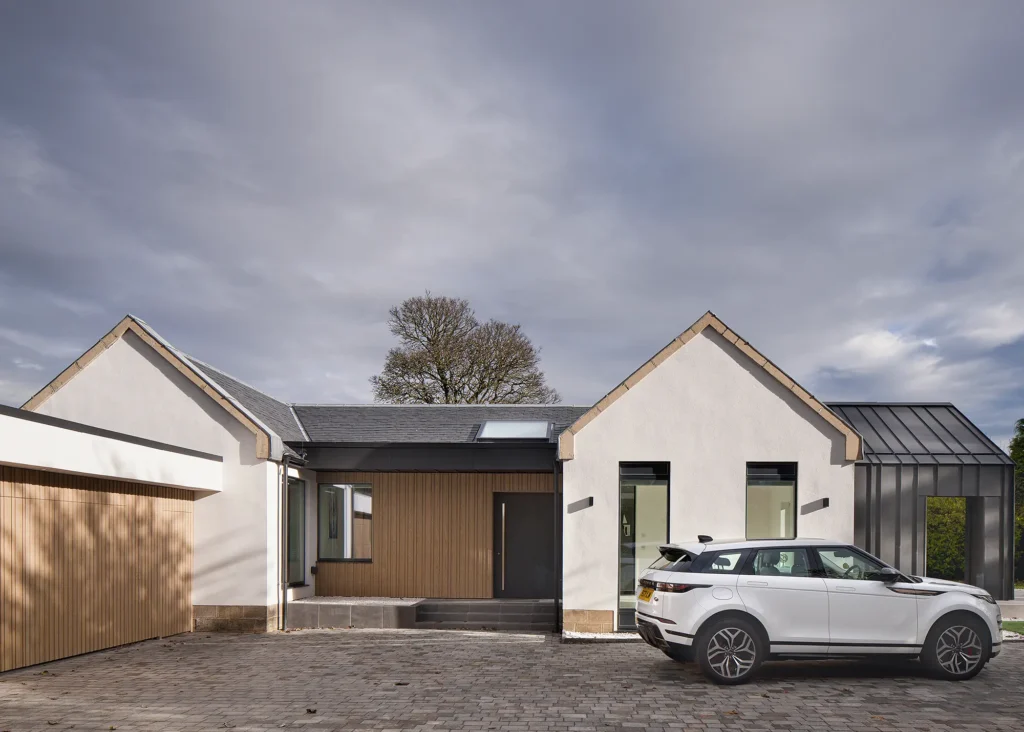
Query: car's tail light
[[670, 586]]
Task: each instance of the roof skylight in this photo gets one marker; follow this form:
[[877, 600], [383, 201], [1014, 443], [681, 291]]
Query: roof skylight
[[494, 429]]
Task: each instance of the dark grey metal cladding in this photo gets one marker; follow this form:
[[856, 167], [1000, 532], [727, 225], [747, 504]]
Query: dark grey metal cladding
[[906, 538], [442, 458], [890, 503], [889, 506], [913, 451]]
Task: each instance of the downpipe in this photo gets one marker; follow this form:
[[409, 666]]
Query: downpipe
[[283, 538]]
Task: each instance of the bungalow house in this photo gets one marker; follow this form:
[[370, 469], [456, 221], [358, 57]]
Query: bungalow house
[[559, 503]]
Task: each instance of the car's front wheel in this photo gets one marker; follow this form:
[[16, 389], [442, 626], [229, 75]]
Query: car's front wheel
[[957, 648], [730, 650]]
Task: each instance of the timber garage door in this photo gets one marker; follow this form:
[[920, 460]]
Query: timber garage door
[[89, 563]]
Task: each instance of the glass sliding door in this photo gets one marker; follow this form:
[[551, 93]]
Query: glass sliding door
[[643, 526], [296, 532]]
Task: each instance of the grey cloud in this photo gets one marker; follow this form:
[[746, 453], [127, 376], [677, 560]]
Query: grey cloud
[[261, 182]]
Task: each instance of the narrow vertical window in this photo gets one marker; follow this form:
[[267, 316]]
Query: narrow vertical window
[[345, 521], [643, 526], [771, 500], [296, 531]]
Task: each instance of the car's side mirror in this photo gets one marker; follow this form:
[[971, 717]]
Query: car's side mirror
[[887, 574]]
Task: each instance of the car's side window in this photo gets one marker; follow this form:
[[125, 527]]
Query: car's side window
[[723, 563], [842, 563], [780, 563]]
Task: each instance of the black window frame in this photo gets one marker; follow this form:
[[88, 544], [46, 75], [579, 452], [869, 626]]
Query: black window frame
[[650, 470], [796, 498], [342, 560], [305, 511]]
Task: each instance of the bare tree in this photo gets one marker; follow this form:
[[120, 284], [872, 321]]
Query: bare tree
[[446, 356]]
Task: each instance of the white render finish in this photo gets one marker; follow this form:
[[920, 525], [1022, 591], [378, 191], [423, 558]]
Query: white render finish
[[130, 388], [707, 410], [28, 444]]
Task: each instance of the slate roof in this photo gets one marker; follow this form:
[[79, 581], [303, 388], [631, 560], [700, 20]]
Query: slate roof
[[426, 423], [275, 414], [925, 434]]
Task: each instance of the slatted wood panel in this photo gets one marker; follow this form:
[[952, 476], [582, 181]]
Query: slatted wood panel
[[432, 534], [87, 563]]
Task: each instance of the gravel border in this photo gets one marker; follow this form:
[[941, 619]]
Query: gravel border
[[571, 636]]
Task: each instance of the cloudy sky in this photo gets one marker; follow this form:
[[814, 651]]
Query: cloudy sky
[[261, 181]]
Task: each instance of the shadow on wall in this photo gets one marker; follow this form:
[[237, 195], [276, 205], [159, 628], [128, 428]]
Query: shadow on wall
[[89, 563]]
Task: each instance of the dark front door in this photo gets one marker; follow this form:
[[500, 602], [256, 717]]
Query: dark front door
[[524, 545]]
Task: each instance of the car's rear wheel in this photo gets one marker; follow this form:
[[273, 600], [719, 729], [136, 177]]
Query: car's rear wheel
[[957, 648], [730, 650]]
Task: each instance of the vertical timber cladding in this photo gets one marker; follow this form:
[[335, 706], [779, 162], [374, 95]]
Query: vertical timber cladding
[[432, 534], [89, 563]]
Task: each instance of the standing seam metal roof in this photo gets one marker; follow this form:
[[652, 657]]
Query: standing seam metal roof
[[926, 434]]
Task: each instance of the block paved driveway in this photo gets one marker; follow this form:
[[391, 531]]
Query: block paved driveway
[[439, 680]]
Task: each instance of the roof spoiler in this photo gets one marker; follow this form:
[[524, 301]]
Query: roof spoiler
[[671, 552]]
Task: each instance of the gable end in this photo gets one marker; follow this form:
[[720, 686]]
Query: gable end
[[128, 323], [566, 440]]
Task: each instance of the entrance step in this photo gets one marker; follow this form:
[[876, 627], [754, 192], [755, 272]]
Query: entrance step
[[352, 612], [486, 614]]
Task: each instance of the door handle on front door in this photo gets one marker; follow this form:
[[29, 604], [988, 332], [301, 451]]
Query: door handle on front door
[[756, 583], [845, 588], [502, 545]]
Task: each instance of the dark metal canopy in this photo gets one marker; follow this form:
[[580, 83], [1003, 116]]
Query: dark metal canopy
[[919, 434]]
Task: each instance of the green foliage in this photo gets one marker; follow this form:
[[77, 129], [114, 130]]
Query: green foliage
[[1017, 455], [947, 538]]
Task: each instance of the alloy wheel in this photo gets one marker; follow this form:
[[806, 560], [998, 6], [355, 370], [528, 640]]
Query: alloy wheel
[[958, 649], [731, 653]]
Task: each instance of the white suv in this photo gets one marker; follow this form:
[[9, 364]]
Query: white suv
[[732, 605]]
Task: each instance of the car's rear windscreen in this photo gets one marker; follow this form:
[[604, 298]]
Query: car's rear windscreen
[[673, 560]]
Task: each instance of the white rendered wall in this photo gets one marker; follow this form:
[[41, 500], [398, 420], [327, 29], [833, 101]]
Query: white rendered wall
[[707, 410], [130, 388], [30, 444]]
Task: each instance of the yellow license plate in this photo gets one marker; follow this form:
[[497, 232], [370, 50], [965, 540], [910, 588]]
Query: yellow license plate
[[646, 594]]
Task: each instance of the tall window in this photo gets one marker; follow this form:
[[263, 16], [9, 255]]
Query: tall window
[[296, 531], [771, 500], [643, 525], [345, 521]]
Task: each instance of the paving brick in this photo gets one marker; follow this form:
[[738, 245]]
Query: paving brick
[[452, 680]]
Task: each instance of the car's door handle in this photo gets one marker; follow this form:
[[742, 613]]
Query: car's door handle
[[845, 588], [756, 583]]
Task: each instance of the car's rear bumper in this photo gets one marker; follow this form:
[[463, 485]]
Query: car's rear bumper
[[662, 635], [651, 634]]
